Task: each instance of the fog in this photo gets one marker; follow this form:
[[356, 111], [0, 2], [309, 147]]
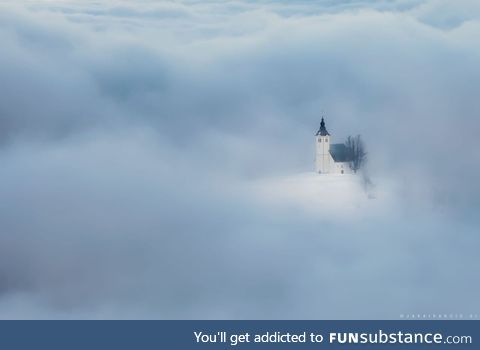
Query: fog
[[135, 136]]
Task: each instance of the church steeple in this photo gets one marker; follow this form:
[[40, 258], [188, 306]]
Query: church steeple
[[323, 130]]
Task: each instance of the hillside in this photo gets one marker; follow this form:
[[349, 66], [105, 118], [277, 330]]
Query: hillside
[[329, 193]]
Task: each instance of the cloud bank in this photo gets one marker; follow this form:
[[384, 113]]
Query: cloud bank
[[135, 136]]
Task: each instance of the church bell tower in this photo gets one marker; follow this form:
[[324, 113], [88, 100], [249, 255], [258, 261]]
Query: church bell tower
[[322, 159]]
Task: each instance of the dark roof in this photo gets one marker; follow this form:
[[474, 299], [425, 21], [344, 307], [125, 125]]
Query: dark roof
[[339, 152], [322, 131]]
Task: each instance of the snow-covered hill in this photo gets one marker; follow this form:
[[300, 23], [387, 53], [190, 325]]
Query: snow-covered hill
[[327, 193]]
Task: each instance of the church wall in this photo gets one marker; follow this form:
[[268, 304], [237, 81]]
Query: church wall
[[342, 166], [323, 159]]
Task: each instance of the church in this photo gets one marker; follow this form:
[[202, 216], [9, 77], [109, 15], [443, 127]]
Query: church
[[330, 158]]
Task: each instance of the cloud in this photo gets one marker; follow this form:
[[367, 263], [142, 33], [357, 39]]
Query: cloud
[[135, 136]]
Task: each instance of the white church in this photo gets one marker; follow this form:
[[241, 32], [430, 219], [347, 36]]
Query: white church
[[330, 158]]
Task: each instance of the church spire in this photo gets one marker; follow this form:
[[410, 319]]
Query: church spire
[[323, 130]]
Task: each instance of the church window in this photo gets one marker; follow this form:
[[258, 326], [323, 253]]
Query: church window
[[320, 140]]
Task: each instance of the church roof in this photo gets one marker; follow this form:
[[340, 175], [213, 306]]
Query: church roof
[[339, 152], [323, 130]]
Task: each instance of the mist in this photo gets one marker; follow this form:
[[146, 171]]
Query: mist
[[138, 142]]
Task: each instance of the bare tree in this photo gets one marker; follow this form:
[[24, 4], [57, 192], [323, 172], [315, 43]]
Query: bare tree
[[355, 152]]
